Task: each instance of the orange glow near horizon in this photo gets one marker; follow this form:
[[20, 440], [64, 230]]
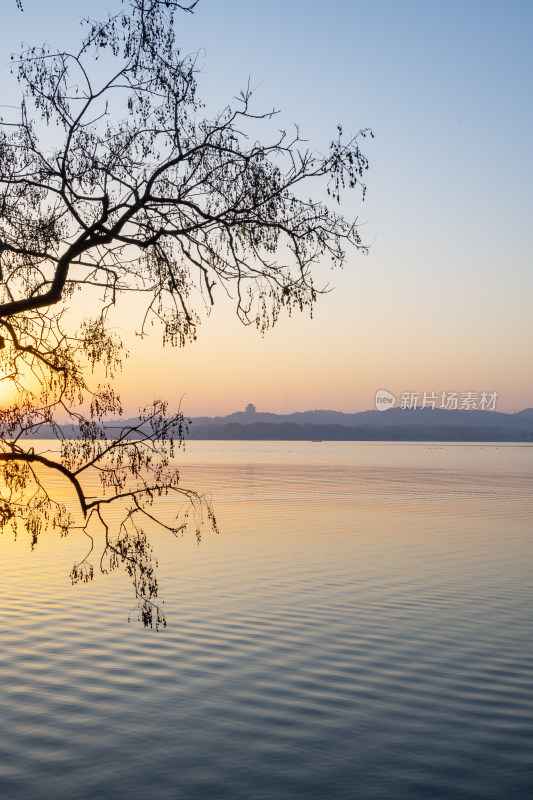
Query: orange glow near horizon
[[337, 360]]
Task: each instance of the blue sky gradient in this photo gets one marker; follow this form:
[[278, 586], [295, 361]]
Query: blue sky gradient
[[443, 300]]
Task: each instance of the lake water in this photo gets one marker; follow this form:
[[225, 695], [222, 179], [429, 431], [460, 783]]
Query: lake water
[[360, 628]]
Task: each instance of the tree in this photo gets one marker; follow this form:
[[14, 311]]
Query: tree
[[160, 202]]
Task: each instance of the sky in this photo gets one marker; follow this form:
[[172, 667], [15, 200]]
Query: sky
[[442, 301]]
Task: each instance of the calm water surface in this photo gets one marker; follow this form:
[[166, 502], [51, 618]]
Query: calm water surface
[[360, 628]]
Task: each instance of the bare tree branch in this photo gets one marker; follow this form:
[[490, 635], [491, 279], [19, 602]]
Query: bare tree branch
[[159, 201]]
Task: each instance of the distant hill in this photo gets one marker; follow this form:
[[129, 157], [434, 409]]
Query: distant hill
[[397, 424], [527, 413]]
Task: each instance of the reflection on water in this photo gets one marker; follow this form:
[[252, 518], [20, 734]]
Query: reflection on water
[[360, 628]]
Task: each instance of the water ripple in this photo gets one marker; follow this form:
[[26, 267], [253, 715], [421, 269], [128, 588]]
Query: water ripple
[[356, 630]]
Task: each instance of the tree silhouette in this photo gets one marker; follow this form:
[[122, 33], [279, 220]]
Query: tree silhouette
[[136, 193]]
